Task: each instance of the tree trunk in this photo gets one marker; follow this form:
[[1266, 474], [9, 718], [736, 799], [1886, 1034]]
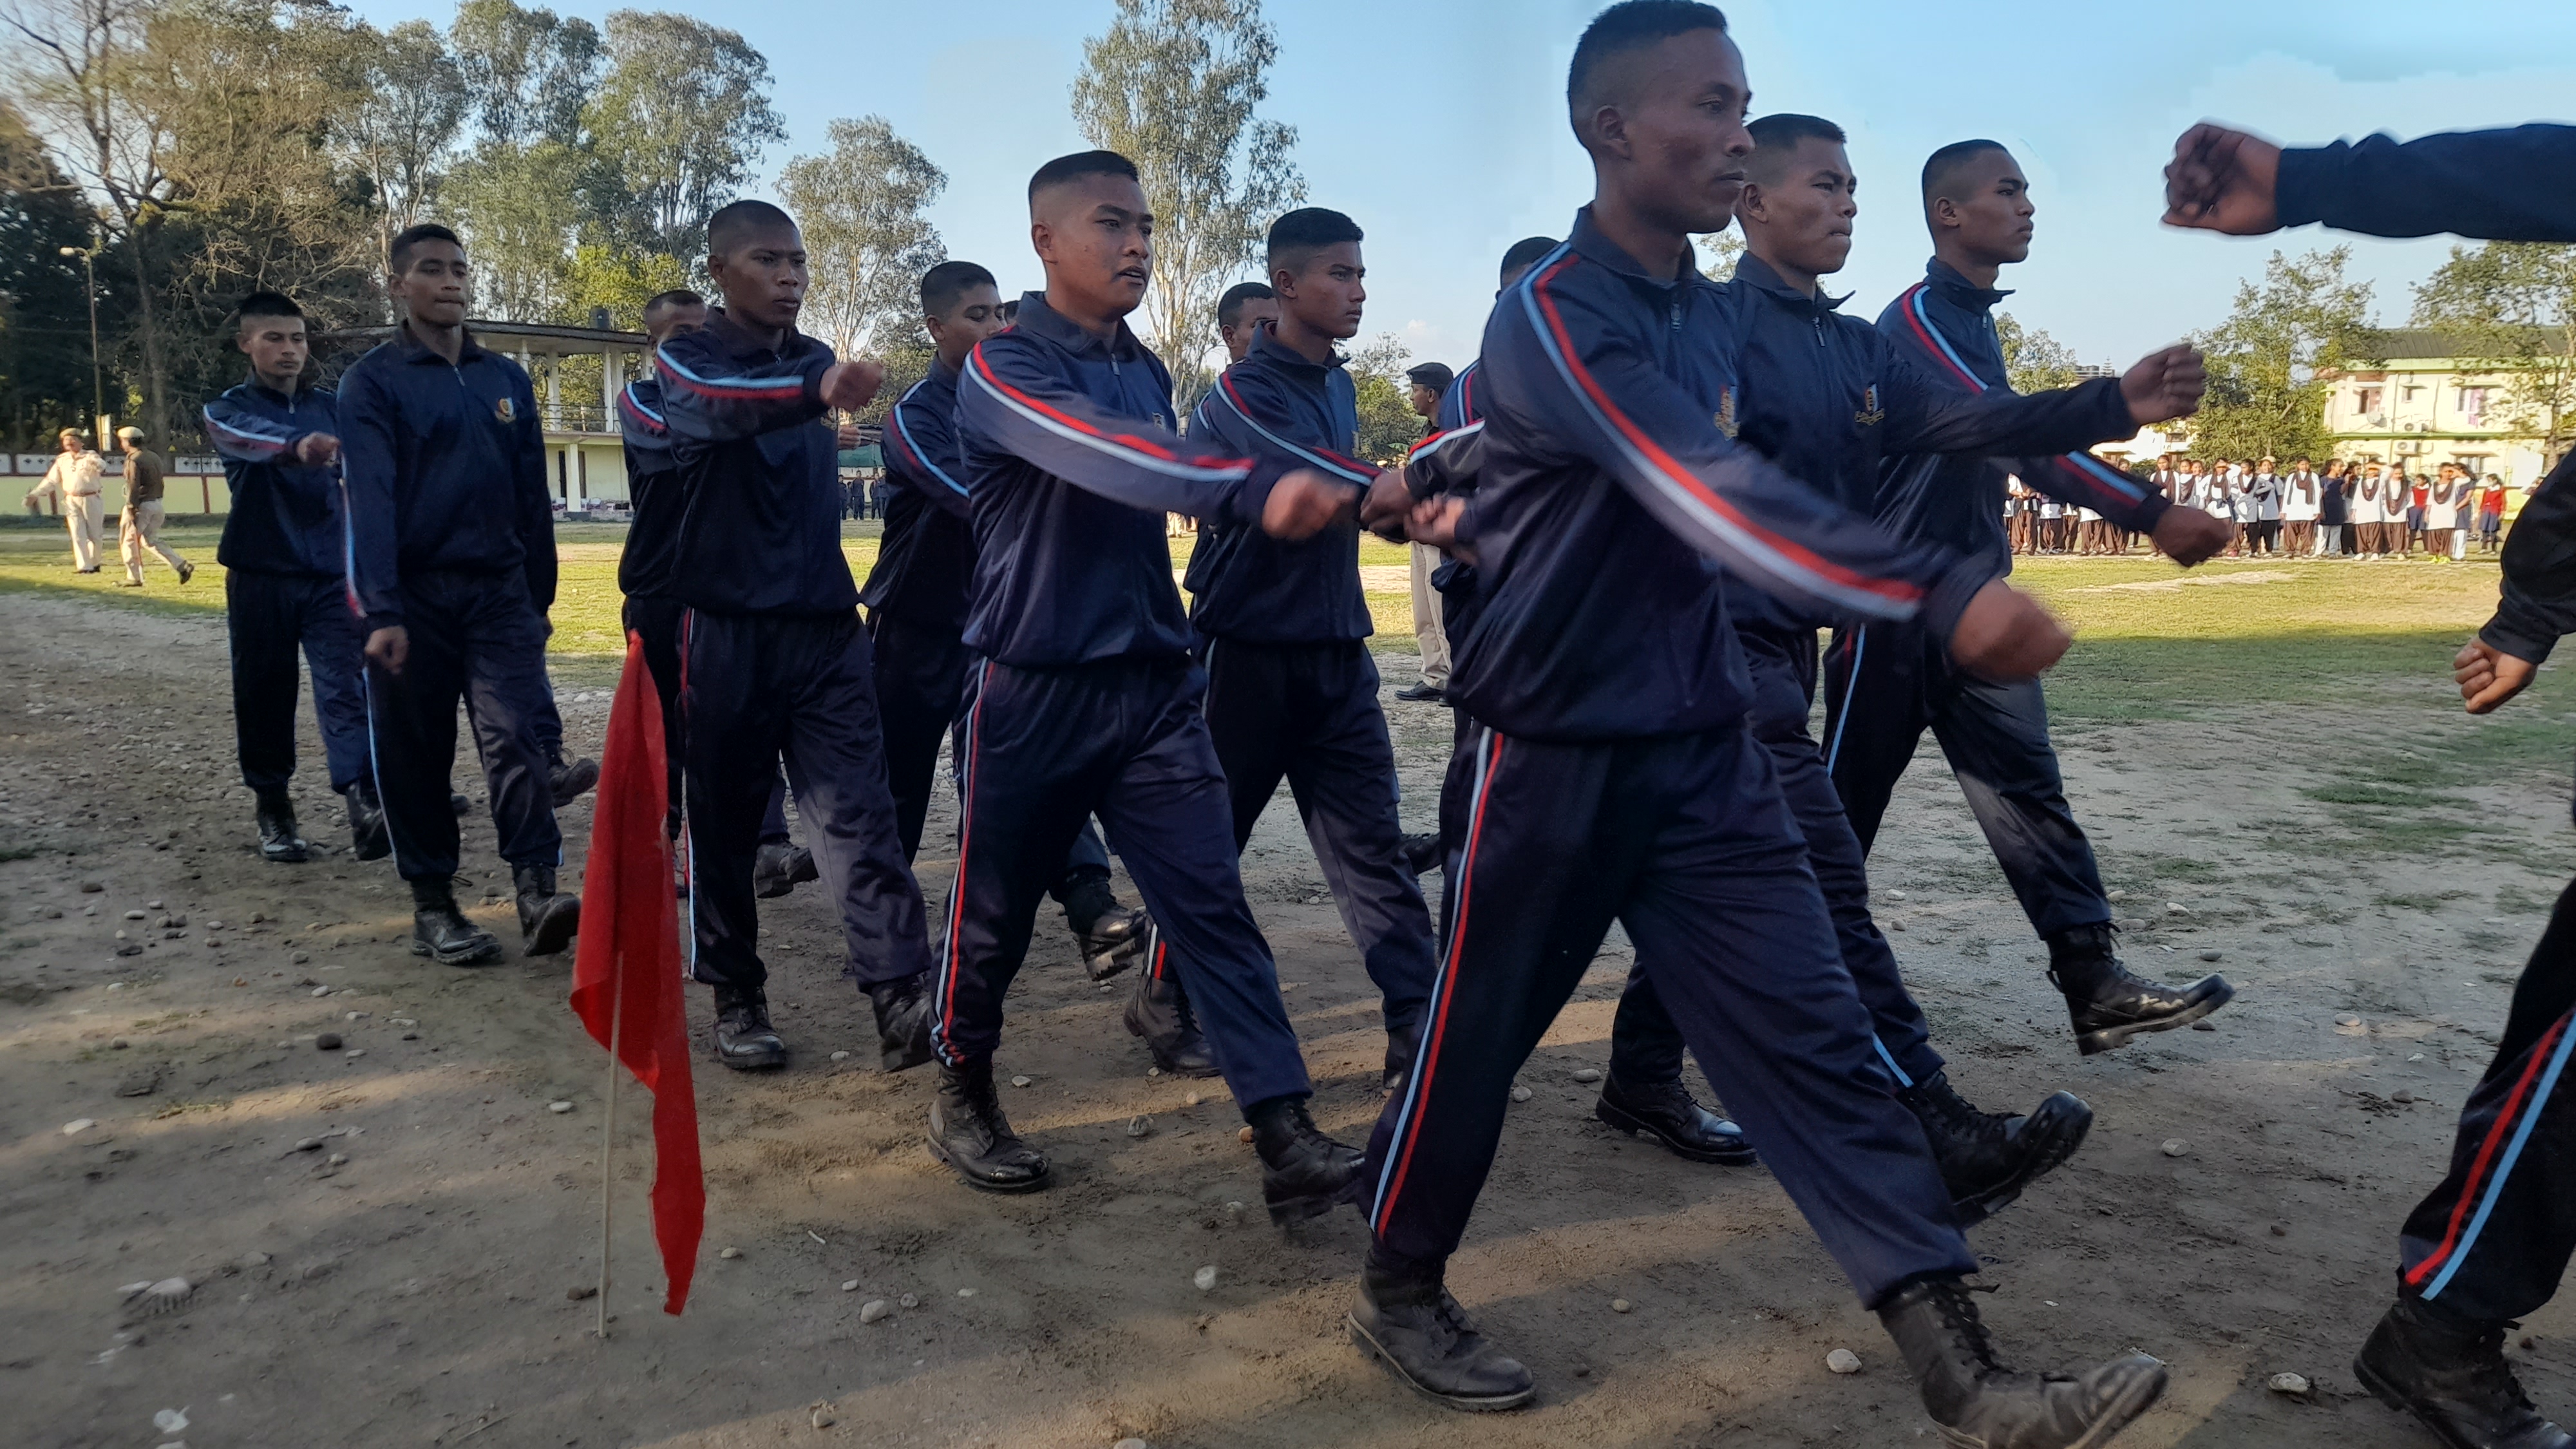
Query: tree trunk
[[147, 330]]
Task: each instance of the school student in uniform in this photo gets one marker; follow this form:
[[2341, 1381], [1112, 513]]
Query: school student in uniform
[[452, 569]]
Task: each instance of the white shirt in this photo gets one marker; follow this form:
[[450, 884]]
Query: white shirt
[[73, 475], [2302, 497]]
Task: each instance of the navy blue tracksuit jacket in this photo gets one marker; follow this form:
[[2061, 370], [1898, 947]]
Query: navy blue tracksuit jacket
[[916, 600], [772, 656], [1610, 513], [451, 535], [2491, 1242], [1292, 690], [1086, 700], [285, 552]]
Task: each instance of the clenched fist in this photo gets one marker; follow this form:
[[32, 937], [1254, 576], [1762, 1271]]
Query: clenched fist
[[2004, 634]]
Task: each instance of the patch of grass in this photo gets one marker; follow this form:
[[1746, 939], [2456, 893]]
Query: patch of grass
[[2422, 903], [2361, 793], [18, 852]]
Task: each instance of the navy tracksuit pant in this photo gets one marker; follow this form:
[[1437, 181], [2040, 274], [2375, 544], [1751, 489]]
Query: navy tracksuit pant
[[1686, 841], [1645, 1047], [267, 616], [756, 688], [2493, 1240], [1309, 714], [923, 673], [657, 622], [1125, 739], [1783, 666], [476, 639], [1883, 685]]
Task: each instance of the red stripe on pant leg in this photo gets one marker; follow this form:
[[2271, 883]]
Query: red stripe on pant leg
[[2495, 1140], [1429, 1058]]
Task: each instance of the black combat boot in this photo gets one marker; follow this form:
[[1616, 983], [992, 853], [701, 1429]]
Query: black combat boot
[[1161, 1014], [280, 843], [904, 1011], [1401, 1049], [779, 867], [440, 931], [745, 1041], [1421, 1333], [969, 1133], [1303, 1172], [1664, 1112], [1111, 936], [1980, 1404], [547, 920], [568, 782], [369, 836], [1422, 853], [2108, 1005], [1987, 1158], [2451, 1374]]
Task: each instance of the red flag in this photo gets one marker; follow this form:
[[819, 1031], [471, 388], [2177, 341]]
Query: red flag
[[626, 970]]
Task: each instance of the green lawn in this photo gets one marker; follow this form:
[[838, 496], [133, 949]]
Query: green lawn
[[2318, 631]]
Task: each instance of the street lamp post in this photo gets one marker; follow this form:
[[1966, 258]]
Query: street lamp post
[[97, 384]]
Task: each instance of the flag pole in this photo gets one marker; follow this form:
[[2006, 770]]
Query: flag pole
[[608, 1136]]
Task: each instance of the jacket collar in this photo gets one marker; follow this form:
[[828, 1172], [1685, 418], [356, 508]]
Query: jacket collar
[[942, 374], [1959, 291], [1765, 278], [1593, 245], [1040, 320], [1277, 354], [740, 341], [415, 350], [265, 393]]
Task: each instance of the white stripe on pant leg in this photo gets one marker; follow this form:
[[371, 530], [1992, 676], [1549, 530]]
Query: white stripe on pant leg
[[1884, 1055], [2512, 1154], [1851, 687], [1448, 962]]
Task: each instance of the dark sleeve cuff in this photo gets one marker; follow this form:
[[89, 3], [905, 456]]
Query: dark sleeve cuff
[[1949, 596], [2518, 632], [2115, 424], [2152, 512], [2299, 192], [1252, 495]]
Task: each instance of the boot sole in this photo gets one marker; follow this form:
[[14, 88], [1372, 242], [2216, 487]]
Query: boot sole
[[762, 1061], [2065, 1130], [1636, 1126], [2395, 1398], [1468, 1403], [374, 848], [2110, 1038], [1033, 1184], [294, 857], [1101, 965], [555, 929], [2123, 1410], [472, 956]]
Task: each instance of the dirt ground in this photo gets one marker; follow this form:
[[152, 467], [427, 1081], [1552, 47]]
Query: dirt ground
[[406, 1283]]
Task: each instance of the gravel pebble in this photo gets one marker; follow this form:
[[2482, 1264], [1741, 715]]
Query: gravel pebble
[[1520, 1094], [78, 1125], [874, 1309], [2176, 1147], [559, 1107], [1620, 1305], [730, 1253], [1588, 1074], [328, 1041], [852, 1286], [2289, 1384], [1139, 1126], [1020, 1081], [1843, 1361], [2213, 955], [1205, 1278]]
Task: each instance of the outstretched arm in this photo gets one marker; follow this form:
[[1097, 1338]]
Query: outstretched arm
[[2508, 185], [921, 453]]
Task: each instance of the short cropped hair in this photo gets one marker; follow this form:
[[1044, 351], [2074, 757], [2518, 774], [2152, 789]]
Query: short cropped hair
[[1523, 255], [943, 285], [1624, 29], [1941, 170], [1080, 164], [398, 255], [1229, 308], [1433, 375], [661, 302], [267, 304], [732, 223], [1774, 137], [1298, 236]]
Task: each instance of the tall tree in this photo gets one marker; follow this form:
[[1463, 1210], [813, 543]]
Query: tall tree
[[2270, 361], [2512, 306], [44, 319], [860, 206], [682, 116], [1388, 426], [77, 81], [2033, 360], [1172, 85], [528, 72], [411, 103], [515, 209]]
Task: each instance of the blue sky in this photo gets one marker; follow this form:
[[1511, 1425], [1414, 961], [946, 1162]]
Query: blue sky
[[1440, 124]]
